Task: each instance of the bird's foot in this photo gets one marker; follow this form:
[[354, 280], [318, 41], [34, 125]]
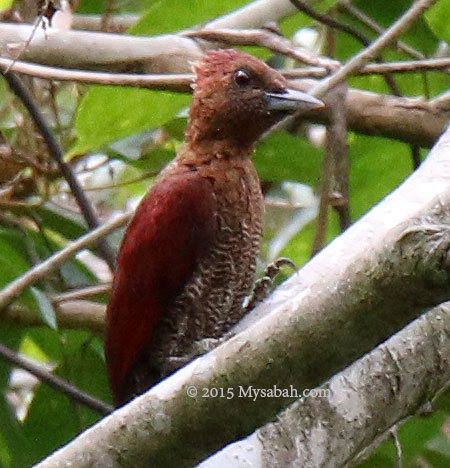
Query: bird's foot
[[208, 344], [264, 284], [200, 347], [173, 363]]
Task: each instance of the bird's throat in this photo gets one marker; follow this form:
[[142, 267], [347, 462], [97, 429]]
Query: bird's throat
[[205, 151]]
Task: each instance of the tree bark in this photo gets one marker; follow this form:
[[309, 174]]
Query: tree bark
[[368, 399], [358, 408]]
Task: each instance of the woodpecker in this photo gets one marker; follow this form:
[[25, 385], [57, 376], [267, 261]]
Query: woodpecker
[[188, 257]]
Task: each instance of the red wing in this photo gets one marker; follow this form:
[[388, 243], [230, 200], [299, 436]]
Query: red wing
[[172, 229]]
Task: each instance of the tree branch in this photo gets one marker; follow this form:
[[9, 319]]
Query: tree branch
[[362, 404], [13, 289], [347, 7], [383, 389], [75, 314], [81, 293], [304, 7], [181, 82], [361, 59], [122, 52], [263, 38], [411, 120], [345, 301], [55, 382], [338, 196], [118, 23]]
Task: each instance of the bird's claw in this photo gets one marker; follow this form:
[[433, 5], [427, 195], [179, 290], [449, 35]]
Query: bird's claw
[[200, 347], [264, 284], [208, 344]]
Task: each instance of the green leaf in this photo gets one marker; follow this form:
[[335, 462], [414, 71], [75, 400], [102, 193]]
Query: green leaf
[[45, 307], [50, 423], [292, 24], [378, 166], [155, 160], [108, 113], [53, 419], [5, 4], [60, 220], [440, 444], [437, 18], [386, 12], [43, 344], [12, 264], [282, 156], [91, 7], [167, 16], [10, 336], [76, 274], [299, 249], [13, 444], [420, 438]]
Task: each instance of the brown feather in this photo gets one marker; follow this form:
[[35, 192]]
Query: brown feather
[[188, 258]]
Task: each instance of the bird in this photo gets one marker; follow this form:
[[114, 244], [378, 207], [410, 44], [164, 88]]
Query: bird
[[188, 258]]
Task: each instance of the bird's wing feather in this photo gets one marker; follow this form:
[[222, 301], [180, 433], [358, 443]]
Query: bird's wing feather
[[173, 228]]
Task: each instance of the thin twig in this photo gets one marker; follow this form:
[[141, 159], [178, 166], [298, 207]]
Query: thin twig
[[26, 43], [411, 66], [322, 215], [330, 22], [361, 59], [80, 293], [14, 288], [144, 176], [54, 381], [107, 15], [350, 9], [341, 204], [398, 447], [336, 143], [339, 195], [56, 154], [118, 23], [73, 315], [336, 25], [181, 82], [263, 38], [334, 190]]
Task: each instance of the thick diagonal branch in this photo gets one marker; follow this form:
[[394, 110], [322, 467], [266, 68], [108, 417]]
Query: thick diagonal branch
[[383, 272], [366, 400], [343, 421]]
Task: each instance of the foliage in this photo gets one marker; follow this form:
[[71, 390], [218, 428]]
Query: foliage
[[136, 132]]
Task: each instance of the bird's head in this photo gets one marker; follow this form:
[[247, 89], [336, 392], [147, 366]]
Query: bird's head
[[238, 97]]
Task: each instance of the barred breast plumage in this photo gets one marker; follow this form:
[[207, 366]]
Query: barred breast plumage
[[212, 301]]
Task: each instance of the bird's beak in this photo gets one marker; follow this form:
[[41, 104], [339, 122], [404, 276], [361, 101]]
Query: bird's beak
[[292, 100]]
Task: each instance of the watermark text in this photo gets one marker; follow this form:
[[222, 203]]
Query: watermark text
[[254, 393]]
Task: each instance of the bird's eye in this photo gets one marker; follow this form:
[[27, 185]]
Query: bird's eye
[[242, 78]]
